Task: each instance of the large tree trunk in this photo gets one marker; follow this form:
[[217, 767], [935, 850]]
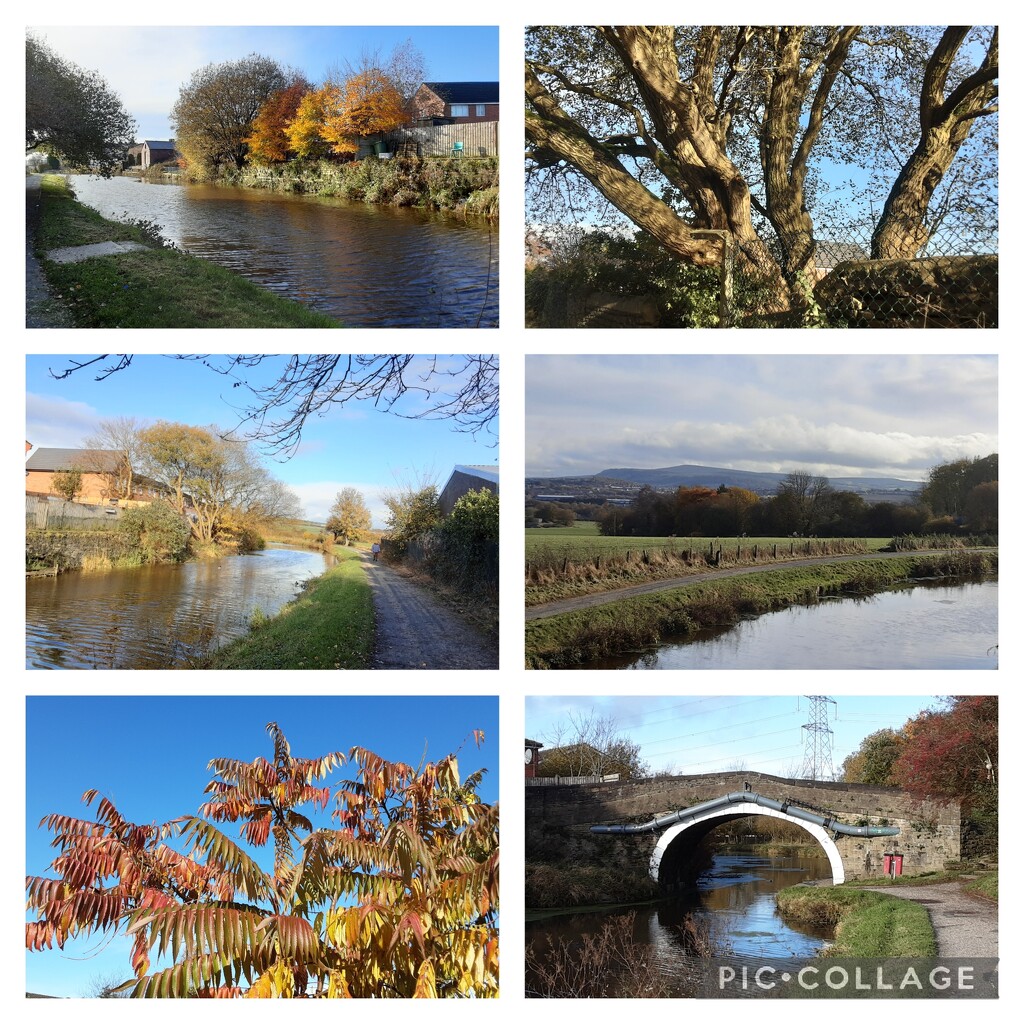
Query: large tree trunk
[[714, 185], [787, 141], [679, 142], [902, 231]]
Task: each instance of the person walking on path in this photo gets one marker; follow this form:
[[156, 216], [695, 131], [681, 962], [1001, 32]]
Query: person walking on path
[[375, 549]]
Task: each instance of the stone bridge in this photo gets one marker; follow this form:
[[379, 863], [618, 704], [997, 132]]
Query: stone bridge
[[559, 819]]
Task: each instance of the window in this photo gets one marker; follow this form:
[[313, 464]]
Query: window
[[460, 110], [481, 110]]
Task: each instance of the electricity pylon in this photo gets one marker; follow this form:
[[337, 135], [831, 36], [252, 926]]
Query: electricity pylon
[[818, 742]]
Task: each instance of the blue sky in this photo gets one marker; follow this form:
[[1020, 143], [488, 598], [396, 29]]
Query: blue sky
[[148, 755], [689, 735], [355, 446], [870, 415], [147, 65]]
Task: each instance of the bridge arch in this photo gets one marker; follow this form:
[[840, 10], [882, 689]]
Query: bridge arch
[[699, 823]]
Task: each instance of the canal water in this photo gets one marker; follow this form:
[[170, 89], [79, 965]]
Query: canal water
[[158, 616], [368, 266], [929, 625], [735, 899]]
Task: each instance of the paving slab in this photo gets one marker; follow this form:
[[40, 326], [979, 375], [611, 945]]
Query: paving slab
[[77, 253]]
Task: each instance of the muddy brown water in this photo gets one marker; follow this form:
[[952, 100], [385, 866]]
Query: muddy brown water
[[158, 616], [368, 266]]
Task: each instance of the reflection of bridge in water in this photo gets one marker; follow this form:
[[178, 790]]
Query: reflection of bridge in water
[[629, 824]]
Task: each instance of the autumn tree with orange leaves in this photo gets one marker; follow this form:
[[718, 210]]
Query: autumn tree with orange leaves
[[399, 900], [269, 142], [367, 104]]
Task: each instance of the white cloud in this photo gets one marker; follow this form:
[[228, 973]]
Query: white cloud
[[57, 423], [839, 416]]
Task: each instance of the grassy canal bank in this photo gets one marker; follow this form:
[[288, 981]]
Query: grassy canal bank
[[156, 287], [466, 187], [330, 626], [867, 924], [642, 622]]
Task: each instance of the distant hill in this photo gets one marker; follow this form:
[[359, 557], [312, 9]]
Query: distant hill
[[762, 483]]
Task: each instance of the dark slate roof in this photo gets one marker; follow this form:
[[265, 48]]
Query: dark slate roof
[[465, 92], [159, 143], [828, 255], [89, 459]]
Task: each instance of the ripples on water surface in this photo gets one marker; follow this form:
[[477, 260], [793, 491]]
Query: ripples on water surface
[[369, 266], [159, 616]]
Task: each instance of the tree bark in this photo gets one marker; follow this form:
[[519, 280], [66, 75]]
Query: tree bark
[[902, 231]]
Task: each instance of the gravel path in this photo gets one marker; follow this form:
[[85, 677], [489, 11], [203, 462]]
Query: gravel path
[[964, 925], [575, 604], [415, 630]]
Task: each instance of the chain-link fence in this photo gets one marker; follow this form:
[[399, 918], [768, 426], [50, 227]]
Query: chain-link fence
[[609, 281], [952, 282]]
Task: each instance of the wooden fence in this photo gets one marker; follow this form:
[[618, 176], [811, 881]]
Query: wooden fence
[[571, 780], [478, 138], [54, 513]]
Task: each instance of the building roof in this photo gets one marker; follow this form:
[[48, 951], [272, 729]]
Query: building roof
[[95, 460], [484, 472], [828, 255], [159, 143], [488, 474], [465, 92]]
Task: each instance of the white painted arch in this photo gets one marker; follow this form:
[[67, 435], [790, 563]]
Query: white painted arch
[[827, 843]]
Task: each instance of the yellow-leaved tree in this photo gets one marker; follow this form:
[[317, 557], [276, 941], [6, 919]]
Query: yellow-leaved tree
[[305, 131], [367, 104], [399, 900]]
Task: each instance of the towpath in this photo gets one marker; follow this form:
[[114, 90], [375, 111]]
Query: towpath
[[416, 630], [575, 604], [42, 307], [964, 925]]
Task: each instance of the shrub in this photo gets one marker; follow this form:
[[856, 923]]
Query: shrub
[[158, 531]]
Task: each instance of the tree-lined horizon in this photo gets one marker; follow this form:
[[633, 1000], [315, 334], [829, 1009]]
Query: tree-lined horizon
[[691, 132], [959, 496]]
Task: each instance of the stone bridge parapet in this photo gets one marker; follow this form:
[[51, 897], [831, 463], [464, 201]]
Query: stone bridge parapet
[[929, 829]]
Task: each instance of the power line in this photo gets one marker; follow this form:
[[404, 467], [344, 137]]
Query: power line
[[818, 742]]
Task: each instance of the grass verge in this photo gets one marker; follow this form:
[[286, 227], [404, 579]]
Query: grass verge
[[582, 885], [640, 623], [159, 287], [986, 885], [329, 627], [867, 924], [586, 564]]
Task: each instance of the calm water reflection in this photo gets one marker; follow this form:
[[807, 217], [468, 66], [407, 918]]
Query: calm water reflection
[[935, 625], [736, 897], [369, 266], [159, 616]]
